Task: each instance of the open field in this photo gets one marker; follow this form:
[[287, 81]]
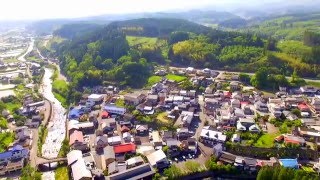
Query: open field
[[266, 141], [152, 80], [176, 78], [141, 41]]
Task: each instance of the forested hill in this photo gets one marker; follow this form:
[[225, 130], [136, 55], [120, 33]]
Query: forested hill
[[70, 31], [126, 52], [158, 27]]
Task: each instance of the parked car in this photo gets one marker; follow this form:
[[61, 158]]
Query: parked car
[[189, 156], [176, 160], [184, 158]]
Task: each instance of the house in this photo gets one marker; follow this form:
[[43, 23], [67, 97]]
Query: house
[[235, 103], [104, 114], [141, 129], [236, 138], [250, 164], [122, 149], [173, 145], [134, 161], [158, 159], [183, 133], [308, 90], [101, 142], [239, 113], [289, 163], [227, 158], [79, 170], [190, 145], [108, 125], [152, 100], [109, 155], [86, 127], [143, 171], [113, 109], [114, 140], [211, 105], [292, 139], [23, 135], [127, 137], [225, 117], [77, 141], [235, 86], [246, 124], [217, 149], [134, 99], [289, 115], [156, 140], [316, 104], [15, 153], [190, 70], [211, 137], [96, 98], [185, 118], [167, 135], [260, 106]]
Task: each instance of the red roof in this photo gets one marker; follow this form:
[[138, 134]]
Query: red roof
[[303, 106], [125, 129], [227, 94], [124, 148], [105, 114], [76, 136], [244, 102]]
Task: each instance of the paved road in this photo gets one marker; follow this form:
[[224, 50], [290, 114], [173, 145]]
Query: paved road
[[237, 72]]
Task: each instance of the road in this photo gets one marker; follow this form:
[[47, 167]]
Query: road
[[249, 73]]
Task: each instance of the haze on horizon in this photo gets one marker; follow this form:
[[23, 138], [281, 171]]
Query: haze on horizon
[[50, 9]]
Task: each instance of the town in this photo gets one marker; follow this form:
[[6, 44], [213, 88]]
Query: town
[[123, 134]]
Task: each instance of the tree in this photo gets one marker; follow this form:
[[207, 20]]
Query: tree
[[29, 172], [260, 78], [178, 36], [244, 77], [173, 172], [296, 112]]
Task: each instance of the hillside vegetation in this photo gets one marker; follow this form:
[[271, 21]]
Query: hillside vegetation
[[126, 52]]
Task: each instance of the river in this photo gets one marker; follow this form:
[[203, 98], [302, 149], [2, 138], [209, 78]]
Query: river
[[21, 58], [56, 126]]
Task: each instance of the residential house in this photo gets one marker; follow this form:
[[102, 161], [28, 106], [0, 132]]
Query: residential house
[[246, 124], [127, 137], [79, 170], [185, 118], [143, 171], [211, 137], [156, 140], [190, 145], [211, 105], [173, 145], [114, 140], [225, 117], [77, 141], [292, 139], [134, 99], [134, 161], [308, 90], [15, 153], [96, 98], [109, 155], [260, 106], [235, 86], [183, 133], [152, 100], [142, 129], [122, 149], [113, 109], [235, 103], [316, 104], [101, 142], [167, 135], [158, 159], [227, 158]]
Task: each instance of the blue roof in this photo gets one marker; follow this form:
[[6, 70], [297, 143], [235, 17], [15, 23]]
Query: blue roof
[[17, 148], [289, 163], [75, 113], [5, 155]]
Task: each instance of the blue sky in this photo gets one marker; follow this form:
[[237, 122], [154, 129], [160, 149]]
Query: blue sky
[[42, 9]]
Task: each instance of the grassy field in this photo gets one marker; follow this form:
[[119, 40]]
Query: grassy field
[[61, 173], [60, 90], [314, 83], [141, 41], [176, 78], [152, 80], [266, 141], [6, 139]]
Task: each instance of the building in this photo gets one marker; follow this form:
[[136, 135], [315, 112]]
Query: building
[[185, 118], [158, 159], [134, 161], [245, 124], [152, 100], [156, 140], [134, 99], [16, 152], [142, 129], [234, 86], [101, 142], [109, 155], [260, 106], [122, 149], [77, 141], [113, 109], [96, 98], [79, 170], [211, 137], [143, 171], [114, 140]]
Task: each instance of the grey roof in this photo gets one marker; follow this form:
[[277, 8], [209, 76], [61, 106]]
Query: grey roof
[[108, 152], [138, 172]]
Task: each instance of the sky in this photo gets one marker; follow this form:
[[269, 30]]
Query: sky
[[49, 9]]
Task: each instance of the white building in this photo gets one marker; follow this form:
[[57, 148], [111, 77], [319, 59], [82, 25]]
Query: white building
[[115, 109]]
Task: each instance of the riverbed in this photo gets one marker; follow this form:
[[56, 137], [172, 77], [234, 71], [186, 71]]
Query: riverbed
[[56, 126]]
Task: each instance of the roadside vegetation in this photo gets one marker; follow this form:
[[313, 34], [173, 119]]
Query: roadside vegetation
[[5, 140], [42, 135], [61, 173]]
